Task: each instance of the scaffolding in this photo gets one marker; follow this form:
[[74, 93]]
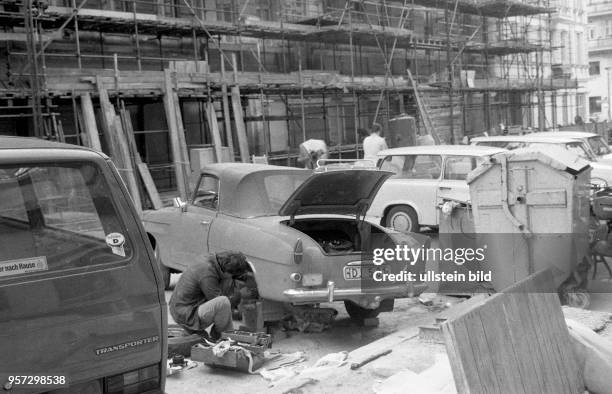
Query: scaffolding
[[291, 70]]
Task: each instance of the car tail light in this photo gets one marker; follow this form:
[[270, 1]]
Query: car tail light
[[137, 381], [296, 277], [298, 252]]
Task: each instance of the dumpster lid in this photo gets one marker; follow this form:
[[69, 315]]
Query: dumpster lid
[[555, 157]]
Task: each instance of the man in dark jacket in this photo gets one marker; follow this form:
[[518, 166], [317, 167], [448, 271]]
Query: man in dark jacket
[[202, 295]]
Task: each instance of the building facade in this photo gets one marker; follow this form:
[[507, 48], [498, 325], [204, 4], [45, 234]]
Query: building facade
[[600, 59]]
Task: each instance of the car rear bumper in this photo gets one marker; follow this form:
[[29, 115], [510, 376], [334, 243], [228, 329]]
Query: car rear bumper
[[366, 298]]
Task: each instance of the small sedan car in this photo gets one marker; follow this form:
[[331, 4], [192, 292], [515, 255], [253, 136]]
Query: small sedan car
[[304, 233], [601, 172], [423, 177], [595, 142]]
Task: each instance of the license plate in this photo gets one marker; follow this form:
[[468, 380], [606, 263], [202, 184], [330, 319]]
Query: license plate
[[355, 272]]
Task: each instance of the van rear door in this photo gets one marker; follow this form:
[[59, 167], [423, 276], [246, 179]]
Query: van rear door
[[80, 295]]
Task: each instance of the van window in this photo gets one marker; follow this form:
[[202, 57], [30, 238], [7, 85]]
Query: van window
[[413, 166], [56, 217]]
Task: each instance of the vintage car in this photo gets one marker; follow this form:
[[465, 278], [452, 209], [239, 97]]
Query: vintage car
[[423, 177], [595, 142], [601, 172], [304, 233]]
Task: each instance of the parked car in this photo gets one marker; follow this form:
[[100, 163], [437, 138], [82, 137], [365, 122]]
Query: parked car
[[81, 293], [597, 144], [601, 171], [423, 176], [302, 232]]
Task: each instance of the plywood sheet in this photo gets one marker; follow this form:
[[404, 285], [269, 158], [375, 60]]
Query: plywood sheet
[[514, 342]]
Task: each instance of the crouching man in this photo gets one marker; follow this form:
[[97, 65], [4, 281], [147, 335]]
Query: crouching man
[[205, 293]]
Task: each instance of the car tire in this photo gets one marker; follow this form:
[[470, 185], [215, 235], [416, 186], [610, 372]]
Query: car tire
[[180, 342], [402, 218], [359, 313]]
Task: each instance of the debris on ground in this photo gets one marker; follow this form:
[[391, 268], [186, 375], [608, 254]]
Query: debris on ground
[[596, 321], [290, 378], [437, 379], [178, 364], [594, 357]]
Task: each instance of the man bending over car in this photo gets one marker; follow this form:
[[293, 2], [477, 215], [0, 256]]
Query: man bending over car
[[205, 293]]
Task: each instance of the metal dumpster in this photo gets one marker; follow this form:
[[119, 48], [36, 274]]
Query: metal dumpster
[[456, 231], [531, 211]]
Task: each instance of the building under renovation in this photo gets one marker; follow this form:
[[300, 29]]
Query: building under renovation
[[164, 85]]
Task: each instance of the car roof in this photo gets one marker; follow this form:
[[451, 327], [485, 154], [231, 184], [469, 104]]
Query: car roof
[[524, 138], [12, 147], [10, 142], [237, 171], [567, 134], [451, 150]]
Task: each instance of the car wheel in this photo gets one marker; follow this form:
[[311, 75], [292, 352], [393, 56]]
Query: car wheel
[[180, 342], [359, 313], [402, 218]]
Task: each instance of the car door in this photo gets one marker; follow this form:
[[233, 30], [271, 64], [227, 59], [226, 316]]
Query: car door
[[190, 231], [415, 184], [453, 185]]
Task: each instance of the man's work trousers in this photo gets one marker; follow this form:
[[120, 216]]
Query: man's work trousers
[[217, 311]]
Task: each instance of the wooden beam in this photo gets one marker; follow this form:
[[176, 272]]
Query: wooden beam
[[89, 120], [143, 169], [211, 115], [243, 143], [127, 172], [226, 111], [108, 121], [177, 156], [150, 187], [181, 134]]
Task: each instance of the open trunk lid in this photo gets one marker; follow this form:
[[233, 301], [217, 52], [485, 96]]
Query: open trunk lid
[[347, 192]]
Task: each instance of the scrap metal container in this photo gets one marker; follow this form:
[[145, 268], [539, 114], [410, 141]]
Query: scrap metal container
[[456, 231], [531, 210]]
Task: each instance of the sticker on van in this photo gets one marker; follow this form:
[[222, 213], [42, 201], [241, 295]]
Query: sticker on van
[[116, 241], [23, 266]]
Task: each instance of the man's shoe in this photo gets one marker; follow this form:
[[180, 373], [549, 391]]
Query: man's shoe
[[214, 334]]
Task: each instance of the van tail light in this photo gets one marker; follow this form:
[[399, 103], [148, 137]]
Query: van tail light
[[137, 381], [298, 252]]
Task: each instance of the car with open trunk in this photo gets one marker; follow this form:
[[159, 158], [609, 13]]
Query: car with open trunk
[[304, 233]]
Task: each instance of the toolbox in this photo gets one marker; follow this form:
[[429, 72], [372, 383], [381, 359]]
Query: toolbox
[[237, 357]]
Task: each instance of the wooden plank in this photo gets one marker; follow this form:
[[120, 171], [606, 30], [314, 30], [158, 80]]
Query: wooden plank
[[127, 172], [128, 131], [243, 143], [226, 111], [108, 122], [145, 174], [515, 342], [211, 115], [174, 136], [503, 355], [181, 135]]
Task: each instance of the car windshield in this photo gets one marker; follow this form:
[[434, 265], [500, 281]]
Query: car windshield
[[263, 193], [599, 146], [576, 148], [57, 216]]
